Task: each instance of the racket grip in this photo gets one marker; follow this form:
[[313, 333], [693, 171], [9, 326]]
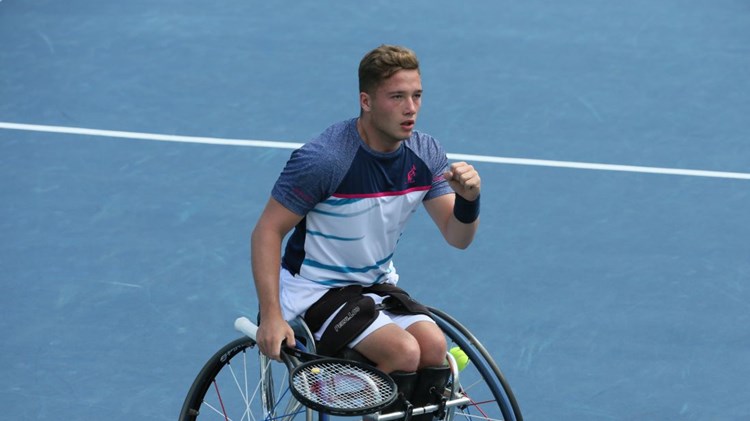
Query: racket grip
[[245, 326]]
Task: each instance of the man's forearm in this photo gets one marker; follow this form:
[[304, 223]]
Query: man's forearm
[[265, 259]]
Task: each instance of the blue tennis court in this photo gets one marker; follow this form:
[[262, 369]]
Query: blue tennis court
[[139, 142]]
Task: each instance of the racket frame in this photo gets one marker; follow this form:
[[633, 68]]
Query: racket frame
[[298, 361]]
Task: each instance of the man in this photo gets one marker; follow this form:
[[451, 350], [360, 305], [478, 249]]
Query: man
[[348, 194]]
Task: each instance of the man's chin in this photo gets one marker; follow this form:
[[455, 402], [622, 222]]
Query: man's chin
[[405, 134]]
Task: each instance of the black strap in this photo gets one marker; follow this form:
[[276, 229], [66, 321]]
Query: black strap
[[397, 301], [358, 312], [319, 312], [352, 320]]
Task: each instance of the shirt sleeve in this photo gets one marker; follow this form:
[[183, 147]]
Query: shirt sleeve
[[305, 180], [434, 155]]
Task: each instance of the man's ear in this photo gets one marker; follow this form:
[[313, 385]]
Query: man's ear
[[364, 101]]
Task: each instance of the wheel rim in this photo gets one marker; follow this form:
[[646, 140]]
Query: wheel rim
[[229, 388]]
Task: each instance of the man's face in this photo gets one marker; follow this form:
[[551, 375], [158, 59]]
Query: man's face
[[394, 107]]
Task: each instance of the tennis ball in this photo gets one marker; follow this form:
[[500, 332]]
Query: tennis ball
[[462, 360], [315, 370]]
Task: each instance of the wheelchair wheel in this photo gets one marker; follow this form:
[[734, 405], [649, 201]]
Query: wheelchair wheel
[[237, 383], [481, 380]]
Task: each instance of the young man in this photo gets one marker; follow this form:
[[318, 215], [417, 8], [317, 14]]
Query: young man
[[348, 194]]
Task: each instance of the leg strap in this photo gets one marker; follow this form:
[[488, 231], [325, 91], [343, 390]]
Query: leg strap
[[397, 300], [429, 391], [405, 382], [358, 312]]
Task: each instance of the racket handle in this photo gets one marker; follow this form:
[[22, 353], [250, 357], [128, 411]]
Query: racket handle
[[245, 326]]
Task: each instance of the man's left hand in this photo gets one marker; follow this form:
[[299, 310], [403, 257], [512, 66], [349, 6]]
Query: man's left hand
[[464, 180]]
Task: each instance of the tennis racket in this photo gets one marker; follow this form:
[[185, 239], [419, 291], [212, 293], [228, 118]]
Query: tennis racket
[[332, 385]]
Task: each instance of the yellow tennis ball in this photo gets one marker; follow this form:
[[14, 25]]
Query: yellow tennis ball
[[315, 370], [462, 360]]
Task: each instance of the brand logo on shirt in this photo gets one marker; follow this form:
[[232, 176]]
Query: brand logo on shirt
[[412, 174]]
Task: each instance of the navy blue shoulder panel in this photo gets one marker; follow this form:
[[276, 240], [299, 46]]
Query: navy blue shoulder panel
[[373, 175]]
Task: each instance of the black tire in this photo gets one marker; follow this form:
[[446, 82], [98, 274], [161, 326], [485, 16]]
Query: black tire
[[191, 408], [229, 387]]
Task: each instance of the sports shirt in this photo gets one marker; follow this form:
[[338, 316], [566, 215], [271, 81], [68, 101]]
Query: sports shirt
[[355, 202]]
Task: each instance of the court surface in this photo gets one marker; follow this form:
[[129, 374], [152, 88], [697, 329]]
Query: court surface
[[604, 292]]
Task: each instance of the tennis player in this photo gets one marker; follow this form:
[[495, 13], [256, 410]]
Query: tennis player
[[347, 196]]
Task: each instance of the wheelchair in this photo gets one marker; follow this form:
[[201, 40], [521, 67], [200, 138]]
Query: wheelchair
[[240, 383]]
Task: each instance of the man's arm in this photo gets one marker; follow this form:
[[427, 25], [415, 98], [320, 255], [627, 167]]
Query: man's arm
[[274, 223], [465, 181]]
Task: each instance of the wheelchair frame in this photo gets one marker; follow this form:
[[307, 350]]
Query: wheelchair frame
[[205, 397]]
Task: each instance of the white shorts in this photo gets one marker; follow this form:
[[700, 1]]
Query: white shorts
[[384, 318], [298, 294]]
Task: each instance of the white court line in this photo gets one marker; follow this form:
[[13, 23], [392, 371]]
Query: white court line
[[291, 145], [148, 136]]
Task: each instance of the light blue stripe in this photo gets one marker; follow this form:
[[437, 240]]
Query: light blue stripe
[[337, 282], [379, 278], [346, 282], [344, 215], [345, 269], [340, 202], [333, 237]]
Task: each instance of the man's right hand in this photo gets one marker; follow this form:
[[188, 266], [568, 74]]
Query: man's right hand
[[271, 333]]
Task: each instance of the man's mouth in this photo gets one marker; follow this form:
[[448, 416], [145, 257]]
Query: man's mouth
[[407, 125]]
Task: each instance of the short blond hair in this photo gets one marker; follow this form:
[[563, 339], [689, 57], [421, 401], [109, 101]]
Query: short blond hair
[[382, 63]]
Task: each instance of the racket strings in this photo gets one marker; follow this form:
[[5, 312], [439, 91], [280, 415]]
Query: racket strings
[[342, 386]]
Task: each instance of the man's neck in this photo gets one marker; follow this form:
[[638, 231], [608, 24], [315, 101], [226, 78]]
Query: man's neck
[[369, 135]]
